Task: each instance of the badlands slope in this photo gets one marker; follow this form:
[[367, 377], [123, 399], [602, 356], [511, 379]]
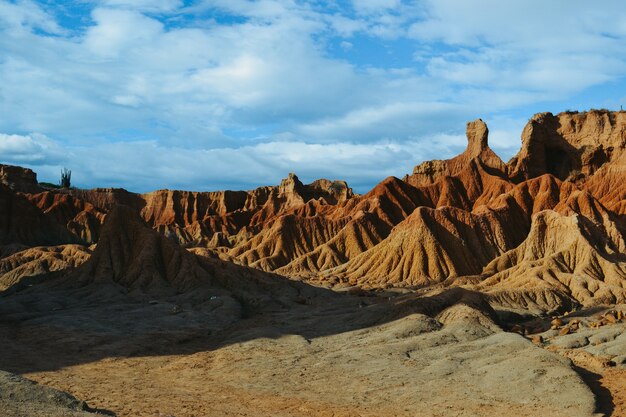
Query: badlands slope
[[308, 299]]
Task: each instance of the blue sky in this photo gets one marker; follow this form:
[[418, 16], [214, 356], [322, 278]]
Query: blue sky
[[219, 94]]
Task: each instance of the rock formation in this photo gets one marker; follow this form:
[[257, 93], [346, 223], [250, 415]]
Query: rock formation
[[545, 228], [19, 179], [38, 261], [477, 150], [134, 256], [22, 222], [569, 145]]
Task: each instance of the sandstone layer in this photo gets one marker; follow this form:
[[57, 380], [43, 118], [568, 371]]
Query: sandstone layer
[[545, 228]]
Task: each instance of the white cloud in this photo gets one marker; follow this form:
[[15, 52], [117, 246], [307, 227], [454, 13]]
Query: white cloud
[[271, 71], [31, 149], [228, 81], [374, 6], [146, 165], [145, 5], [26, 15], [118, 31], [390, 121], [555, 48]]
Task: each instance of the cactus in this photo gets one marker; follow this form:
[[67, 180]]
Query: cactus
[[66, 178]]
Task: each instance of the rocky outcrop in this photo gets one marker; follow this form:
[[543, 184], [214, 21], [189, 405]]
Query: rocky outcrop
[[565, 260], [569, 145], [134, 256], [285, 240], [546, 228], [429, 247], [78, 216], [21, 222], [106, 199], [193, 217], [477, 149], [19, 179], [39, 261]]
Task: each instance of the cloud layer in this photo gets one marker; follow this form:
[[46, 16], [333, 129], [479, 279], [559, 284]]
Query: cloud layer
[[235, 93]]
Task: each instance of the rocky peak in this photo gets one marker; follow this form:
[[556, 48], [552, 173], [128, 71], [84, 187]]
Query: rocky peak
[[477, 134], [290, 185], [332, 191], [131, 254], [19, 179], [569, 144]]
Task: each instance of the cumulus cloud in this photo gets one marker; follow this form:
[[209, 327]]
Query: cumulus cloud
[[554, 49], [154, 6], [26, 15], [143, 166], [272, 83], [33, 149], [119, 31]]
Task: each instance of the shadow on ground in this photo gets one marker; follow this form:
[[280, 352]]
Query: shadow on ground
[[604, 400], [53, 324]]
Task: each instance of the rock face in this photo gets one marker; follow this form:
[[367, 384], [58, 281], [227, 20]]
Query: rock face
[[78, 216], [133, 256], [569, 144], [136, 257], [22, 397], [21, 222], [545, 228], [33, 262], [477, 150], [19, 179]]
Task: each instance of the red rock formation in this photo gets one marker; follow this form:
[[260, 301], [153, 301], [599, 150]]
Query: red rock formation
[[563, 257], [430, 246], [477, 149], [19, 179], [39, 261], [546, 228], [134, 256], [80, 218], [22, 222], [569, 144]]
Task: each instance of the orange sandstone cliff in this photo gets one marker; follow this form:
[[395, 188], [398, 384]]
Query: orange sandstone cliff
[[545, 229]]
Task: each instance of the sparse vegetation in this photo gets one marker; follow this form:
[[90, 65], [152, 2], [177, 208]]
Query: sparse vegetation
[[49, 185], [66, 178]]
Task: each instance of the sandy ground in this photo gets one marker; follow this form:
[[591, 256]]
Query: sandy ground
[[339, 359], [597, 351], [291, 377], [607, 384], [615, 382]]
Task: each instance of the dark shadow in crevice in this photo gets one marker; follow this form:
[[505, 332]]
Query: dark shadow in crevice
[[604, 399]]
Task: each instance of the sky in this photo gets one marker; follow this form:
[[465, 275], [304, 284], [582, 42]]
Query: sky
[[235, 94]]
